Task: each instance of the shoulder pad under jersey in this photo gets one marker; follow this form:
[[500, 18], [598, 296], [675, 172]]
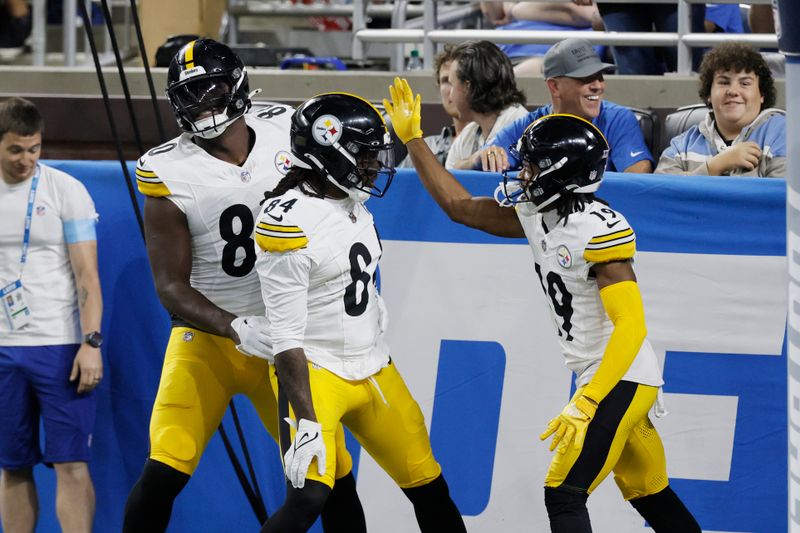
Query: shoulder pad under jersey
[[610, 237], [147, 180], [281, 222]]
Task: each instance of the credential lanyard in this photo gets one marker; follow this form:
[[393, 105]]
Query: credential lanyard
[[26, 237]]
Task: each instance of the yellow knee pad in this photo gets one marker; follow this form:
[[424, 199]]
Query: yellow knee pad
[[176, 447]]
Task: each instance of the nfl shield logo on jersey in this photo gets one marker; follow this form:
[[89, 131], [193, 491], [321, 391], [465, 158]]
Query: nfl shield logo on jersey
[[245, 175], [564, 257], [188, 336], [544, 245], [283, 162], [40, 210]]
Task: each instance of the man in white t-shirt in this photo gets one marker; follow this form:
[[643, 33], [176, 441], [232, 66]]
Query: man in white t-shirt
[[485, 93], [50, 360]]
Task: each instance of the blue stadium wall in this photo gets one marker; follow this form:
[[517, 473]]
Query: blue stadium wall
[[471, 336]]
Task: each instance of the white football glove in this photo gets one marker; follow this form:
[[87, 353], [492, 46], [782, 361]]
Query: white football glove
[[307, 444], [253, 334]]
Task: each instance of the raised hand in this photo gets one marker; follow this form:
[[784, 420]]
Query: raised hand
[[404, 111]]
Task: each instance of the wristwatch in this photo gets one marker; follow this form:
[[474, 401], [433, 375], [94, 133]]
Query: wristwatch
[[93, 339]]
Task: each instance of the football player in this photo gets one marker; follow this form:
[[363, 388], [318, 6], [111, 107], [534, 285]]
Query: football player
[[583, 251], [317, 269], [202, 191]]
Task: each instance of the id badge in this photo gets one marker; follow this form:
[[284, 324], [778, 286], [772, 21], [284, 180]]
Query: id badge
[[17, 312]]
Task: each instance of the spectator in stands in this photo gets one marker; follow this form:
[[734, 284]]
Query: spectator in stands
[[764, 18], [50, 362], [645, 17], [742, 134], [723, 18], [574, 76], [539, 16], [440, 144], [484, 92], [15, 23]]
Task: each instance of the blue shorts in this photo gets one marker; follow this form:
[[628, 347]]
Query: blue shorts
[[34, 382]]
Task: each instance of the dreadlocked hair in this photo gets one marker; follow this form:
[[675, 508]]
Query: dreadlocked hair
[[307, 180], [574, 203]]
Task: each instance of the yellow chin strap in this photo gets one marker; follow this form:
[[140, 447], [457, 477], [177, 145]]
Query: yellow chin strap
[[623, 304]]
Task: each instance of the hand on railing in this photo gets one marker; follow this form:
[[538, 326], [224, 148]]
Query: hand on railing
[[404, 111]]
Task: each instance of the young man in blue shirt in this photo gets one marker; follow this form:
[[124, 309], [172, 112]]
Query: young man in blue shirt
[[574, 76]]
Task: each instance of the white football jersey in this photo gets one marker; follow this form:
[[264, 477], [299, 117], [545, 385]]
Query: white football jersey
[[317, 271], [564, 255], [220, 201]]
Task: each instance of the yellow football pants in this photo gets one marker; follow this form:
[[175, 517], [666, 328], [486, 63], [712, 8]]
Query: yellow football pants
[[201, 373], [621, 439], [381, 414]]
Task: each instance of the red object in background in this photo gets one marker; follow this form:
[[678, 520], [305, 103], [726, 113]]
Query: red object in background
[[327, 23]]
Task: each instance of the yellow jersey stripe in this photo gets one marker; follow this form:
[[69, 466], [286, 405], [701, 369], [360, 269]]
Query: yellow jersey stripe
[[279, 229], [270, 243], [155, 189], [611, 236], [615, 253], [188, 57], [145, 173], [611, 243]]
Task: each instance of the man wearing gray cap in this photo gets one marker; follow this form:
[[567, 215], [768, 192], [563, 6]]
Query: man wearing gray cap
[[573, 73]]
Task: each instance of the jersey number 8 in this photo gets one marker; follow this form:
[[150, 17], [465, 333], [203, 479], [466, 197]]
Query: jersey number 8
[[234, 241]]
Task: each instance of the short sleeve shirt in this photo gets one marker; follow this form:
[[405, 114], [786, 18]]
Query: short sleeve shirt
[[63, 213], [617, 123]]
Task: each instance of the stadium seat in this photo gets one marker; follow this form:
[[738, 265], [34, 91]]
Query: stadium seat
[[648, 122], [681, 120]]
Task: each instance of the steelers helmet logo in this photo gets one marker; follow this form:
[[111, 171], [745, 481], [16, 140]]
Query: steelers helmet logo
[[564, 257], [326, 130], [283, 162]]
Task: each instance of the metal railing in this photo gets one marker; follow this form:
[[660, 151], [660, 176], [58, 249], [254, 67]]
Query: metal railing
[[429, 15], [401, 13], [70, 32], [430, 36]]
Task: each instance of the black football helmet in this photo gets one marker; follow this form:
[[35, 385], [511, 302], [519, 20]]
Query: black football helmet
[[207, 87], [560, 154], [344, 138]]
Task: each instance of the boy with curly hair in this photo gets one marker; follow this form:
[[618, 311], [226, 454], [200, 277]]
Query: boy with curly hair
[[742, 133]]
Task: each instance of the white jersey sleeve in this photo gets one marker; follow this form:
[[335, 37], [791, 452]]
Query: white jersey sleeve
[[285, 283], [610, 236]]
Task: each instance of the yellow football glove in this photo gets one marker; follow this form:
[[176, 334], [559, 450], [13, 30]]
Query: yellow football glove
[[571, 424], [404, 111]]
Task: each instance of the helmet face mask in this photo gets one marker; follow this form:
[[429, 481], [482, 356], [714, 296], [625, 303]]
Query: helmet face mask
[[344, 139], [373, 170], [195, 97], [207, 87], [560, 155]]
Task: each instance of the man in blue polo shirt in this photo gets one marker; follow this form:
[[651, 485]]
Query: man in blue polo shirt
[[573, 73]]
